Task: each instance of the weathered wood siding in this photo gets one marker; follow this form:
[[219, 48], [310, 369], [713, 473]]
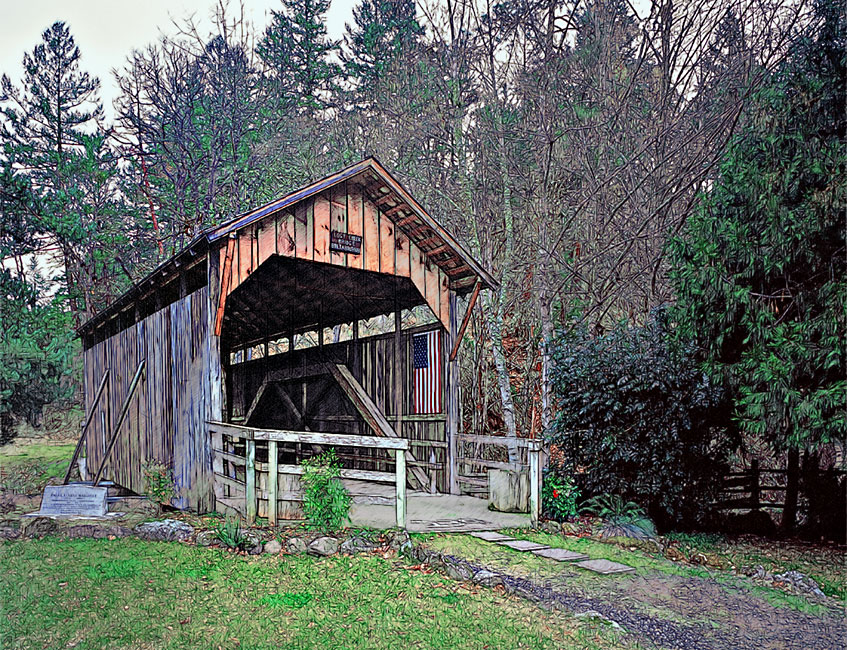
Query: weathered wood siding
[[178, 393], [303, 231], [322, 405]]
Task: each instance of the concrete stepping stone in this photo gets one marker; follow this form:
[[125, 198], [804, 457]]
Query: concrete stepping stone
[[605, 567], [523, 545], [491, 536], [560, 554]]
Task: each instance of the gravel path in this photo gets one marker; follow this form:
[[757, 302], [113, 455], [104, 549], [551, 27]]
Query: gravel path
[[751, 625]]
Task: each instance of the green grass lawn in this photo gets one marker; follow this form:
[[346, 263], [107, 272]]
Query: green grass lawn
[[26, 467], [128, 593]]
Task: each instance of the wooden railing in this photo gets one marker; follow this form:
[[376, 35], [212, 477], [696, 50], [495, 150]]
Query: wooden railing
[[529, 454], [250, 486]]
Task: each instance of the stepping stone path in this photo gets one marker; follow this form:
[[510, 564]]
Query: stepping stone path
[[521, 545], [491, 536], [603, 567], [560, 554]]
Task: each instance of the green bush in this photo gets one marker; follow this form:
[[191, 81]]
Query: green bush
[[159, 482], [638, 418], [38, 349], [620, 519], [326, 502], [559, 497]]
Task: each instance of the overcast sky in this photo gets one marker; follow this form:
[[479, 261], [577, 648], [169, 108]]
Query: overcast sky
[[107, 30]]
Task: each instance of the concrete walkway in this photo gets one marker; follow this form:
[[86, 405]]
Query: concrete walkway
[[373, 505]]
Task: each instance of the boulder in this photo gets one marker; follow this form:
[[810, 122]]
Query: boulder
[[487, 578], [168, 530], [39, 527], [508, 490], [206, 538], [551, 527], [357, 545], [324, 546], [674, 554], [9, 531], [295, 545], [457, 571], [398, 539], [272, 547]]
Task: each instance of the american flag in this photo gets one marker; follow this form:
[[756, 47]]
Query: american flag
[[427, 360]]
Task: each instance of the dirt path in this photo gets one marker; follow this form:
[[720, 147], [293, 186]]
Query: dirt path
[[671, 611]]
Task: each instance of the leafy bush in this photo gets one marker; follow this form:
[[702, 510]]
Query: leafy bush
[[620, 519], [38, 349], [326, 502], [231, 534], [559, 497], [637, 418], [159, 482]]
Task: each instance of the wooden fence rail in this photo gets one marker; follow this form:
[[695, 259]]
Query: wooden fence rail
[[275, 472]]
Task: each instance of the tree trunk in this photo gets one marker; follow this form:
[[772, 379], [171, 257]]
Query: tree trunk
[[789, 513]]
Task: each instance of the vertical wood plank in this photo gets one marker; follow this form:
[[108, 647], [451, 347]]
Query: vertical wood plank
[[444, 298], [371, 237], [322, 223], [273, 481], [355, 222], [266, 240], [386, 244], [401, 254], [400, 487], [285, 243], [418, 272], [245, 255], [452, 396], [433, 296], [338, 219], [250, 483]]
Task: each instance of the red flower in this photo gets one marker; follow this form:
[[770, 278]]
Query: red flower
[[555, 494]]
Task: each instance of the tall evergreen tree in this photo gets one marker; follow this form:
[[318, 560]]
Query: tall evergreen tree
[[298, 53], [761, 272], [52, 134]]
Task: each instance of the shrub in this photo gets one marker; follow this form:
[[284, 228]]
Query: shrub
[[559, 497], [637, 418], [620, 519], [159, 482], [326, 502]]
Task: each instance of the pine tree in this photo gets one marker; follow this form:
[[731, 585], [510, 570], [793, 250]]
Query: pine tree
[[382, 31], [298, 54]]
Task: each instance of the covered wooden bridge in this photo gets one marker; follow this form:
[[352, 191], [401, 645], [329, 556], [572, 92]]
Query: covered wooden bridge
[[330, 316]]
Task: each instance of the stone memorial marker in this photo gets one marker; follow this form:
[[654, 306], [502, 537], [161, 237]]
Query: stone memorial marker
[[70, 500]]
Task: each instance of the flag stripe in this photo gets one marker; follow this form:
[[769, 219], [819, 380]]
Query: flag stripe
[[426, 350]]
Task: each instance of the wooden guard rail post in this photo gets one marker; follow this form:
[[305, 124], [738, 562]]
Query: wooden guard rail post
[[534, 450], [251, 436]]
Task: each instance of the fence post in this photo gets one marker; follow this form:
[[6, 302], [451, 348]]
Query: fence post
[[250, 482], [755, 492], [273, 482], [400, 479], [534, 450]]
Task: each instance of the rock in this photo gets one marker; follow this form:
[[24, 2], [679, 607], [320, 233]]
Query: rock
[[9, 532], [272, 547], [487, 578], [295, 545], [206, 538], [457, 571], [168, 530], [674, 554], [799, 582], [551, 527], [252, 542], [397, 539], [357, 545], [324, 546], [569, 528], [39, 527]]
